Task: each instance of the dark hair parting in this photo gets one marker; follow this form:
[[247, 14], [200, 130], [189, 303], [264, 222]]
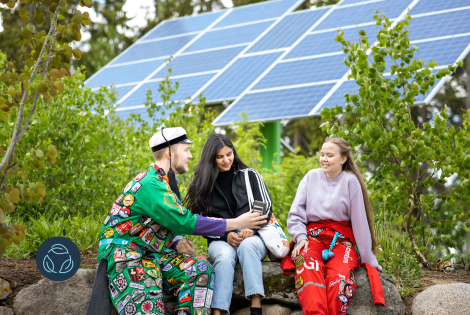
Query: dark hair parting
[[171, 173]]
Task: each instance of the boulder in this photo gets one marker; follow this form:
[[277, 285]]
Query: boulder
[[279, 288], [449, 299], [6, 311], [4, 289], [298, 312], [275, 309]]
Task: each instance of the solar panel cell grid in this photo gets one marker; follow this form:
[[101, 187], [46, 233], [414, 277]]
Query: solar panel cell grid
[[238, 77], [444, 51], [256, 12], [123, 74], [304, 71], [229, 36], [276, 104], [337, 98], [184, 25], [362, 13], [207, 61], [324, 43], [153, 49], [286, 32], [426, 6], [187, 87], [444, 24]]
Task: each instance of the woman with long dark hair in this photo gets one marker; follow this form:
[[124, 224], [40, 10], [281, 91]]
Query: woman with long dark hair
[[219, 190], [331, 223]]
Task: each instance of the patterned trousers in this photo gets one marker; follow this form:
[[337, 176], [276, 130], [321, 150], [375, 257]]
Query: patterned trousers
[[326, 288], [136, 281]]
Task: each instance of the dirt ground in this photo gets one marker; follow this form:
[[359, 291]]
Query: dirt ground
[[21, 273]]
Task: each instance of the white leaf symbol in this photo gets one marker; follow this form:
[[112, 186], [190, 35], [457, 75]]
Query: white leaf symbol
[[59, 249], [47, 263], [66, 266]]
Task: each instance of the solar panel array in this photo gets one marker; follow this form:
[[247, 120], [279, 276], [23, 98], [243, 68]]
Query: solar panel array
[[274, 63]]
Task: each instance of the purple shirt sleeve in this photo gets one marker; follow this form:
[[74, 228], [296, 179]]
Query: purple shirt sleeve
[[297, 218], [361, 231], [207, 226]]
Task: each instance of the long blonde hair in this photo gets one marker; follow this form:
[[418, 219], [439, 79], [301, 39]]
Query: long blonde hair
[[351, 166]]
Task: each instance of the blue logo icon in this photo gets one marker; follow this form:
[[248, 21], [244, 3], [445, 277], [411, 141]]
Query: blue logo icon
[[58, 258]]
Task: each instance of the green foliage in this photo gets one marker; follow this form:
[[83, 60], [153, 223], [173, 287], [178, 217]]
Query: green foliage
[[408, 159], [46, 52], [395, 255]]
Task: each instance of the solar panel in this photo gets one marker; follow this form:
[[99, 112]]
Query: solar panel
[[273, 62]]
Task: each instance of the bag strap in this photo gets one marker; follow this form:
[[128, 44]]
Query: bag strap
[[249, 192]]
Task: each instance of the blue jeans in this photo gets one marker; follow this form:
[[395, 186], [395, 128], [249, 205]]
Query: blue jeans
[[250, 253]]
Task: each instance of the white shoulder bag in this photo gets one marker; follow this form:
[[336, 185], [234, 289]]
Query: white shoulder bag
[[272, 234]]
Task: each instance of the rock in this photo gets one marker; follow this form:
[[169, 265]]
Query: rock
[[68, 297], [5, 289], [275, 309], [277, 286], [362, 302], [446, 299], [298, 312], [47, 297], [280, 288], [6, 311]]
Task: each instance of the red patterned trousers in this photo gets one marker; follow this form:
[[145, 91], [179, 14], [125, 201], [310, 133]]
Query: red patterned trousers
[[326, 288]]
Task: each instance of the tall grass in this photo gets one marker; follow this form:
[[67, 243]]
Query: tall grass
[[395, 254]]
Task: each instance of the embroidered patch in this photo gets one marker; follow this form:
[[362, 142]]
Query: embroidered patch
[[146, 306], [182, 311], [114, 292], [130, 309], [345, 301], [177, 260], [154, 294], [160, 306], [167, 267], [136, 187], [184, 296], [316, 231], [299, 261], [140, 176], [133, 255], [137, 286], [128, 186], [119, 254], [347, 243], [106, 220], [119, 199], [348, 291], [132, 246], [144, 220], [352, 276], [299, 282], [138, 296], [120, 282], [149, 282], [128, 200], [199, 296], [154, 273], [114, 221], [202, 280], [191, 271], [191, 281], [121, 304], [108, 232], [202, 267], [148, 263], [135, 229], [209, 298], [124, 212], [186, 263], [123, 227], [212, 283], [198, 311]]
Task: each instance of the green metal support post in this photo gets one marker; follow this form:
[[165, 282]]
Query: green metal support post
[[272, 152]]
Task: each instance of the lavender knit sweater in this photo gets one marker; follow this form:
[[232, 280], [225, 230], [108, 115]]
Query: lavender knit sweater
[[339, 199]]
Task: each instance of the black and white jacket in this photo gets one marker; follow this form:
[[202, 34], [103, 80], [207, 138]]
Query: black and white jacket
[[220, 206]]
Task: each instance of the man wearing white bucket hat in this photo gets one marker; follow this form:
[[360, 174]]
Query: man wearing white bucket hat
[[144, 232]]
